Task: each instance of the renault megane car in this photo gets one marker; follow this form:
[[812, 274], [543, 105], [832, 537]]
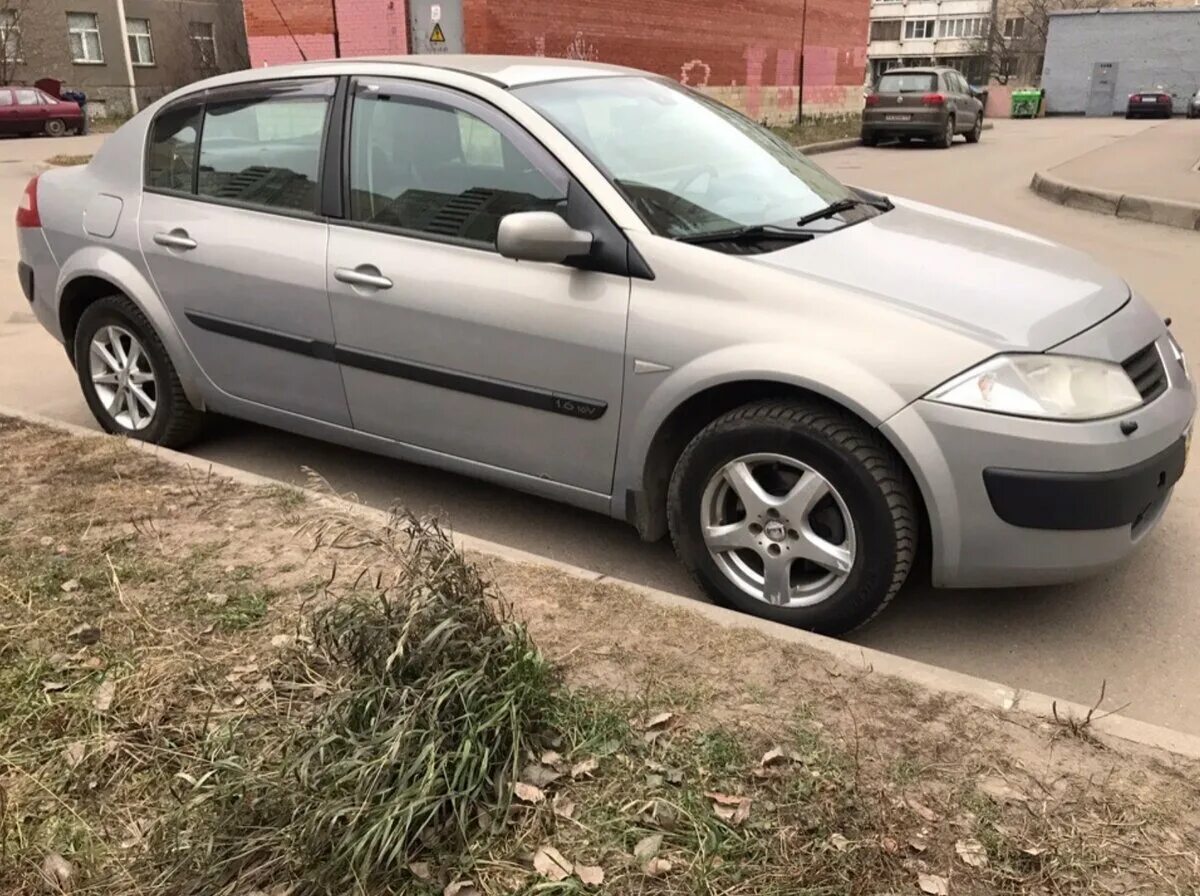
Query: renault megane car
[[598, 286]]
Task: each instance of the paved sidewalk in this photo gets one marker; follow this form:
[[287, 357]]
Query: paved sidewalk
[[1159, 162]]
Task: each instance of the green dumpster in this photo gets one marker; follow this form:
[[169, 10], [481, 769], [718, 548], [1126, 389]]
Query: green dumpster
[[1026, 103]]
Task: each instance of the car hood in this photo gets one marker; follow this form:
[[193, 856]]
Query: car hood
[[1011, 289]]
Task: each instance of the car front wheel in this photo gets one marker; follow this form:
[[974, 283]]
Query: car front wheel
[[794, 512], [127, 378]]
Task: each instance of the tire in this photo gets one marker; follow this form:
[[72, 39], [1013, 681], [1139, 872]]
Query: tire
[[56, 127], [946, 139], [976, 133], [173, 422], [866, 481]]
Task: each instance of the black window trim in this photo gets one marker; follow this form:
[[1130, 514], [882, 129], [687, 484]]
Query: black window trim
[[317, 85]]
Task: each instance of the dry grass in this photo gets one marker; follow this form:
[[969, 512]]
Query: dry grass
[[211, 689], [65, 160], [821, 128]]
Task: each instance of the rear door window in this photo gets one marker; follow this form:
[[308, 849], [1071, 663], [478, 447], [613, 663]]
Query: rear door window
[[6, 98], [264, 152], [919, 82], [27, 98]]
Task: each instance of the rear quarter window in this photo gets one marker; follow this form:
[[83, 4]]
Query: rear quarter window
[[171, 160]]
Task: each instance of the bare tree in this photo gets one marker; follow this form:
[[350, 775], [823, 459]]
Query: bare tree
[[12, 15], [1014, 42]]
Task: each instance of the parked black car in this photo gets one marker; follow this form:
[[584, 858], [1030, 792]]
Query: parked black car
[[1149, 104]]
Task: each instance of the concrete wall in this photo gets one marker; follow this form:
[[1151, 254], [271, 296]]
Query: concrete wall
[[1152, 48], [746, 54]]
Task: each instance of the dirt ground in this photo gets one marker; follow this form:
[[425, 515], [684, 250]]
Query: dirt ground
[[138, 600]]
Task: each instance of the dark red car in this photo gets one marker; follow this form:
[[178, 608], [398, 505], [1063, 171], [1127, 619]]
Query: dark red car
[[28, 110], [1149, 104]]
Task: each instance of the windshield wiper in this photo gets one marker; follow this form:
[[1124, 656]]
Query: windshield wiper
[[844, 205], [748, 234]]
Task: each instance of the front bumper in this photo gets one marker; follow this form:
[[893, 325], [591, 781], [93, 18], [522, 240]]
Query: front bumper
[[1065, 500]]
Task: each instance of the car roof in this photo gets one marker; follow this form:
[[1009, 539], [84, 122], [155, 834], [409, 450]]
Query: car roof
[[507, 71]]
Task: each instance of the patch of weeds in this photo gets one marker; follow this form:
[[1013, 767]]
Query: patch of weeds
[[283, 497], [243, 608], [67, 159], [720, 752]]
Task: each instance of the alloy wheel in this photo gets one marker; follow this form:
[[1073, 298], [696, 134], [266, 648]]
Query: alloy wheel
[[778, 530], [123, 377]]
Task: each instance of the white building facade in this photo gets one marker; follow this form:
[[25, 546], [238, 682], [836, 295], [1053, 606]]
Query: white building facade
[[930, 32]]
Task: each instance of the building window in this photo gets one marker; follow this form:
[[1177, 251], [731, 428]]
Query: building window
[[204, 43], [919, 29], [141, 50], [961, 27], [83, 28], [885, 29], [10, 36], [1014, 28]]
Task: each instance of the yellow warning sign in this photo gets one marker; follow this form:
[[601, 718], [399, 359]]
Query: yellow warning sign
[[436, 37]]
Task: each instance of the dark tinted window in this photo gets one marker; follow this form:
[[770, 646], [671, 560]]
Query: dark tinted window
[[920, 82], [172, 156], [264, 152], [430, 168]]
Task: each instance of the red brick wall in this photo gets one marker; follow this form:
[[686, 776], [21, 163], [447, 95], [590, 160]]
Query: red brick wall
[[747, 53]]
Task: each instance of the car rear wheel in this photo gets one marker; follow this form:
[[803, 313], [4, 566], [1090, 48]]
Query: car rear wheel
[[56, 127], [976, 132], [796, 513], [127, 378], [947, 138]]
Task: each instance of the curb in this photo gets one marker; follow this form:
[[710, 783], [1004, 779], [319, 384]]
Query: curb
[[989, 694], [1167, 212]]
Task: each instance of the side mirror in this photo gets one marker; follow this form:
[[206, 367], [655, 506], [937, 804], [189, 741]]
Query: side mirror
[[540, 236]]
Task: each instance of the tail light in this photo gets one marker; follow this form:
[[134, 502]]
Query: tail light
[[872, 99], [933, 99], [27, 210]]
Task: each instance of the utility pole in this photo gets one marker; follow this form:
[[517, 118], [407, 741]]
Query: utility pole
[[133, 100], [337, 36], [803, 41]]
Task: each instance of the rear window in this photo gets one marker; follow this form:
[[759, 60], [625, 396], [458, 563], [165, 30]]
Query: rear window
[[920, 82]]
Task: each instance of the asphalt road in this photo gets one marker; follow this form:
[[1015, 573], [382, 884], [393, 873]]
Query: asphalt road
[[1137, 628]]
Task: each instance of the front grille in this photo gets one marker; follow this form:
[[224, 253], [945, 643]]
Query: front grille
[[1146, 370]]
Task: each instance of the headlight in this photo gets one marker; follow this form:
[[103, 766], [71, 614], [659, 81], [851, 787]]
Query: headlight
[[1057, 387]]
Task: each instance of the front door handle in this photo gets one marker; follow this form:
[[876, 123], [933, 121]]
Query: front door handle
[[175, 239], [363, 275]]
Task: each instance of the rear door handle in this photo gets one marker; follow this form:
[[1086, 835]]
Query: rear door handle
[[175, 239], [363, 275]]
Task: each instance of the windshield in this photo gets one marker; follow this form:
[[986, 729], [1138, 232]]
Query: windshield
[[922, 82], [688, 165]]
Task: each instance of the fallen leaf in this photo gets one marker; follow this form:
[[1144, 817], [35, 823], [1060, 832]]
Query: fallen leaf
[[658, 721], [46, 541], [563, 807], [972, 852], [70, 585], [921, 809], [733, 809], [539, 775], [93, 662], [591, 875], [918, 844], [74, 753], [651, 736], [53, 687], [648, 847], [217, 599], [420, 870], [771, 756], [586, 767], [551, 757], [57, 872], [839, 842], [933, 884], [550, 863], [1034, 850], [528, 793], [282, 641], [1001, 791], [84, 634], [889, 845], [654, 782], [461, 888], [59, 661], [656, 867], [103, 697]]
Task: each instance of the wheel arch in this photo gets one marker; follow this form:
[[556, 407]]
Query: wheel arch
[[95, 272], [646, 504]]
